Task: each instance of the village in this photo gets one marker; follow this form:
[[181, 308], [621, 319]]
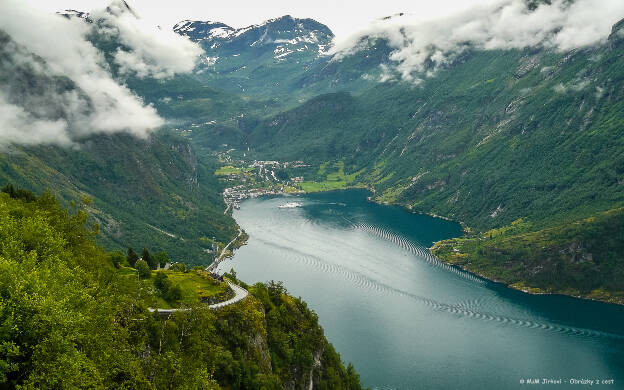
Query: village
[[257, 178]]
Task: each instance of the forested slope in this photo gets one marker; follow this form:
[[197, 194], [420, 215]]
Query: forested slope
[[65, 321], [495, 136], [156, 193], [153, 191]]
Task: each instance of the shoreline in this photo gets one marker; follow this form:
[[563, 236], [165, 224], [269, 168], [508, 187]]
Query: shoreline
[[527, 289], [466, 229], [215, 263]]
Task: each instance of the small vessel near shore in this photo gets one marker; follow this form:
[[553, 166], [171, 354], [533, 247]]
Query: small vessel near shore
[[290, 205]]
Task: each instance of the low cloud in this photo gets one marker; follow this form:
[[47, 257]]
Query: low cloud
[[420, 48], [574, 86], [17, 125], [56, 87], [148, 51]]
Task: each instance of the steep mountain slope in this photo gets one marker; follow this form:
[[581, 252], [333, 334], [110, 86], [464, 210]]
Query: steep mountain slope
[[154, 192], [492, 137], [84, 329], [267, 59], [496, 117], [285, 58], [527, 135]]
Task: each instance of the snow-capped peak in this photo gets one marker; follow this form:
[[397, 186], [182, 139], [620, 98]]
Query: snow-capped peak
[[115, 8], [286, 38], [198, 30], [284, 31]]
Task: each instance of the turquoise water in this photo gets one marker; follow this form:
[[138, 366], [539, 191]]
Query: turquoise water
[[407, 321]]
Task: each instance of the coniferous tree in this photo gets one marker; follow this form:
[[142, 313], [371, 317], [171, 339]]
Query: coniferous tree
[[9, 189], [162, 283], [132, 257], [117, 258], [19, 193], [149, 259]]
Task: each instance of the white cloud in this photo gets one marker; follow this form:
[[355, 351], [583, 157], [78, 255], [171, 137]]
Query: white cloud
[[17, 125], [342, 16], [66, 90], [505, 25], [153, 52], [575, 86]]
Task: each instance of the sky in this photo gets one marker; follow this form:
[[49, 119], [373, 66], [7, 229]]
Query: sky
[[344, 17]]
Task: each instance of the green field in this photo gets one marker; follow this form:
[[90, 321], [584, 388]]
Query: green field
[[334, 178], [231, 170], [196, 286], [227, 170]]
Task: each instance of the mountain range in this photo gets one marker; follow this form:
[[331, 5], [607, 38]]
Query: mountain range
[[517, 143], [93, 322], [282, 57], [508, 119]]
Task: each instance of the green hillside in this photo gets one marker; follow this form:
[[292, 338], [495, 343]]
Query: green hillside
[[581, 258], [70, 319], [487, 139], [493, 137], [154, 193]]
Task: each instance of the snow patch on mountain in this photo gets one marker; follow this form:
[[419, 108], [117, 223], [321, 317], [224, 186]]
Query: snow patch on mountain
[[284, 36]]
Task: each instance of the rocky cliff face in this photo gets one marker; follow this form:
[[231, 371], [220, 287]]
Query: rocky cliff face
[[279, 338]]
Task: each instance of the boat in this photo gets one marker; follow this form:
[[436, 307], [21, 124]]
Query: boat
[[290, 205]]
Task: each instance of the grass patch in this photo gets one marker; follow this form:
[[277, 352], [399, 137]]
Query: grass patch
[[391, 194], [312, 186], [335, 178], [228, 170], [290, 189], [196, 287]]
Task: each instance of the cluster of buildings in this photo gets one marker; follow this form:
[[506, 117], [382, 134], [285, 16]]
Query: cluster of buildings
[[234, 195], [277, 164], [247, 186]]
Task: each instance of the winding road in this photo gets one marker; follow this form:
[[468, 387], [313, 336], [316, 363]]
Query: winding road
[[239, 294]]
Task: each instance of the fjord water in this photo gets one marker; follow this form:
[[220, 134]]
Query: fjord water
[[407, 321]]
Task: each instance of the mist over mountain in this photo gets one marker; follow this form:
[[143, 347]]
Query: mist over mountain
[[422, 47], [68, 89], [74, 121]]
